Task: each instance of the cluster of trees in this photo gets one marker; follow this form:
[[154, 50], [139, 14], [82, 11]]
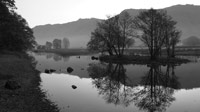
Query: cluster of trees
[[56, 44], [157, 31], [15, 34], [113, 35], [154, 28]]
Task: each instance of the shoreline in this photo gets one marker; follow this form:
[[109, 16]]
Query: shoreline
[[67, 52], [126, 59], [19, 67]]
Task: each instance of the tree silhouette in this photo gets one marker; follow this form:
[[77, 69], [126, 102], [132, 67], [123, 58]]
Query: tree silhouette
[[15, 34], [113, 35], [48, 45], [156, 29], [65, 43], [57, 44]]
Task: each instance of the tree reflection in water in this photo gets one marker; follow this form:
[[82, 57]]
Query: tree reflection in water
[[158, 89], [154, 94], [111, 82], [55, 57]]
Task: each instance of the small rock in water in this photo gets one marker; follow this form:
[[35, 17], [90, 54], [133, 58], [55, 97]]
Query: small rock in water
[[70, 69], [74, 87], [46, 71], [52, 70], [94, 58], [12, 85]]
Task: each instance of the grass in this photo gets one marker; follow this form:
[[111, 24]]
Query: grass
[[29, 98], [67, 52]]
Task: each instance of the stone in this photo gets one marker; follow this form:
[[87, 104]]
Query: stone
[[74, 87], [94, 58], [12, 85], [52, 70], [70, 69], [47, 71]]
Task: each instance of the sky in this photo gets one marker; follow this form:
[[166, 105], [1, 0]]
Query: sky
[[40, 12]]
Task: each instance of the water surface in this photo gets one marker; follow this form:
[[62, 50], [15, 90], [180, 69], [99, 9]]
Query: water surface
[[107, 87]]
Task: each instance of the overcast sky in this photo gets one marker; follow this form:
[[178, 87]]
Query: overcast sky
[[39, 12]]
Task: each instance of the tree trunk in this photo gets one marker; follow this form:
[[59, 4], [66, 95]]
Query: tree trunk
[[173, 51]]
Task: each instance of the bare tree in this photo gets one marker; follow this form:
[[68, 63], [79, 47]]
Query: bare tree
[[127, 30], [113, 35], [156, 27]]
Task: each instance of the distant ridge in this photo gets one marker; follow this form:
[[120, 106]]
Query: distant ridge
[[78, 32]]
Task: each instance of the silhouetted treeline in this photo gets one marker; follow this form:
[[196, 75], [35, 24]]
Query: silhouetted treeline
[[56, 44], [15, 34]]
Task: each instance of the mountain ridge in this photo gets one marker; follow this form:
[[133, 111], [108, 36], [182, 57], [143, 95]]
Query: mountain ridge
[[78, 32]]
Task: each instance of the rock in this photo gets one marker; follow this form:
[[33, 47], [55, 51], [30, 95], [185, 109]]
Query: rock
[[94, 58], [82, 68], [47, 71], [78, 56], [12, 85], [70, 69], [74, 87], [52, 70]]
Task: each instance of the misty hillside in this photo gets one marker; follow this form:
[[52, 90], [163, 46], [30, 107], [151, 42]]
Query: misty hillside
[[78, 32]]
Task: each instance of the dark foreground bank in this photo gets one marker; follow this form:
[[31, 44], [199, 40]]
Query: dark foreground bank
[[28, 98]]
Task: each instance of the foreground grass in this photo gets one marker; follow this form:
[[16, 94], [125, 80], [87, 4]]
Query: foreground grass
[[29, 98], [135, 59]]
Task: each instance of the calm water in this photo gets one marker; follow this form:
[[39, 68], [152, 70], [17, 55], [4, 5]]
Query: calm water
[[107, 87]]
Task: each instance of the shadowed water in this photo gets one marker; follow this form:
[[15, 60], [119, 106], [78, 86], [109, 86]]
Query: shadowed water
[[107, 87]]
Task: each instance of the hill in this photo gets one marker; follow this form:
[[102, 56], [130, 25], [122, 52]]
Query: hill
[[78, 32]]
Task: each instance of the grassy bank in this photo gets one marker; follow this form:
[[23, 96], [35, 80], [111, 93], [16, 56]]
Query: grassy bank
[[29, 98], [131, 59], [65, 52]]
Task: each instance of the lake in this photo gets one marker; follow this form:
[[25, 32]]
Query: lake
[[107, 87]]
